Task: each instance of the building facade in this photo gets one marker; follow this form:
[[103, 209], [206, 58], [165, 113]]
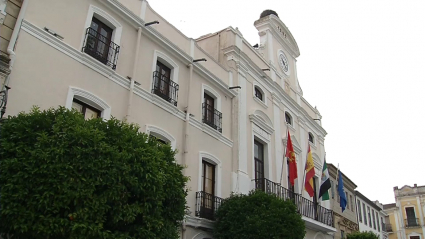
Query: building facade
[[370, 216], [344, 222], [406, 216], [225, 105]]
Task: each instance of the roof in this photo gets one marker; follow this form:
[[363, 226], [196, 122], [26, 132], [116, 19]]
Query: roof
[[390, 205], [366, 200], [267, 12]]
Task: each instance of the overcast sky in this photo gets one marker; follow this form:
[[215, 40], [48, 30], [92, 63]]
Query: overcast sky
[[362, 64]]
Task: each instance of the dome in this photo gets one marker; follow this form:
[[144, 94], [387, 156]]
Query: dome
[[265, 13]]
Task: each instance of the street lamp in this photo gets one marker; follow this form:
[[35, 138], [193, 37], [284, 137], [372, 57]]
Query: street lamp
[[3, 101]]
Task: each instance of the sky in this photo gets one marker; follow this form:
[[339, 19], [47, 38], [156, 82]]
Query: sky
[[362, 64]]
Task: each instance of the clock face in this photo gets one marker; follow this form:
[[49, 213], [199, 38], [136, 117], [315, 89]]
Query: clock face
[[283, 62]]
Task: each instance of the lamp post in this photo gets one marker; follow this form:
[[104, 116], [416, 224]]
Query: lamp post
[[3, 101]]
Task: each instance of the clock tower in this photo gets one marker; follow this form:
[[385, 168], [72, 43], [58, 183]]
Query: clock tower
[[279, 48]]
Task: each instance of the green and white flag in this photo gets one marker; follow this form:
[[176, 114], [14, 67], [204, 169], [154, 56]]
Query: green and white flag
[[326, 183]]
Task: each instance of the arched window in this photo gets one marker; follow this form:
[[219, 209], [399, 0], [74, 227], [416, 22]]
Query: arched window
[[90, 105], [258, 93], [288, 118], [161, 135], [311, 137]]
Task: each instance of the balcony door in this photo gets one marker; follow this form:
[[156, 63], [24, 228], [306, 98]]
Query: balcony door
[[209, 110], [259, 165], [99, 40], [208, 190], [411, 217], [162, 83]]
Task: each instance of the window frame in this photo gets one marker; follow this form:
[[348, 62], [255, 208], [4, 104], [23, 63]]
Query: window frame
[[290, 118], [88, 98], [263, 102], [205, 156], [161, 134], [258, 93], [311, 138], [105, 18], [364, 213], [85, 106], [359, 210]]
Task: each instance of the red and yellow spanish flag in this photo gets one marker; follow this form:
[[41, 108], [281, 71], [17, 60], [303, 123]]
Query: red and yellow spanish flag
[[290, 153], [309, 173]]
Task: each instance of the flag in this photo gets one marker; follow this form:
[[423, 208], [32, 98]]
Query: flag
[[326, 183], [309, 173], [342, 198], [291, 159]]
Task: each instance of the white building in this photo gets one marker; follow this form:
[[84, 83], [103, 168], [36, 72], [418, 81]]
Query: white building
[[111, 57], [370, 216]]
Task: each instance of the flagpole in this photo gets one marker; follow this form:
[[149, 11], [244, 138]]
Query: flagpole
[[284, 154]]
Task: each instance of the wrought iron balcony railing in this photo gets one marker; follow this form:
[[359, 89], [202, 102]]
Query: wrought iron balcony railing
[[165, 88], [388, 228], [412, 222], [211, 116], [305, 207], [101, 48], [206, 205]]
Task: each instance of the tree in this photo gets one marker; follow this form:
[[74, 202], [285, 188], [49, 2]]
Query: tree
[[362, 235], [65, 177], [258, 215]]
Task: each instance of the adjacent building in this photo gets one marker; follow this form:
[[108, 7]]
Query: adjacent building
[[370, 216], [406, 216], [344, 222], [226, 105]]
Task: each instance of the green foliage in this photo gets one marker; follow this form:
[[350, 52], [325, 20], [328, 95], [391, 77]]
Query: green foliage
[[258, 215], [362, 235], [65, 177]]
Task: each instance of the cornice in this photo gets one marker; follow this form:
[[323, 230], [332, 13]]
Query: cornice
[[153, 34]]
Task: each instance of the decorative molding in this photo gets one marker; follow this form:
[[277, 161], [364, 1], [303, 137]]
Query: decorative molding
[[260, 102], [168, 61], [213, 93], [265, 136], [201, 223], [259, 121], [210, 131], [164, 135], [88, 98], [346, 222]]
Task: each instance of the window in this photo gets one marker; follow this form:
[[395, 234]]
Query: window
[[208, 192], [342, 234], [337, 196], [311, 138], [351, 202], [98, 43], [158, 139], [258, 93], [211, 116], [373, 219], [288, 118], [348, 203], [415, 237], [364, 214], [359, 209], [259, 164], [369, 217], [411, 217], [163, 86], [88, 111], [377, 222]]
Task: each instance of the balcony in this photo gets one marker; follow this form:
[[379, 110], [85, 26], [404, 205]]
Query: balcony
[[388, 228], [211, 117], [411, 222], [305, 207], [165, 88], [101, 48], [206, 205]]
